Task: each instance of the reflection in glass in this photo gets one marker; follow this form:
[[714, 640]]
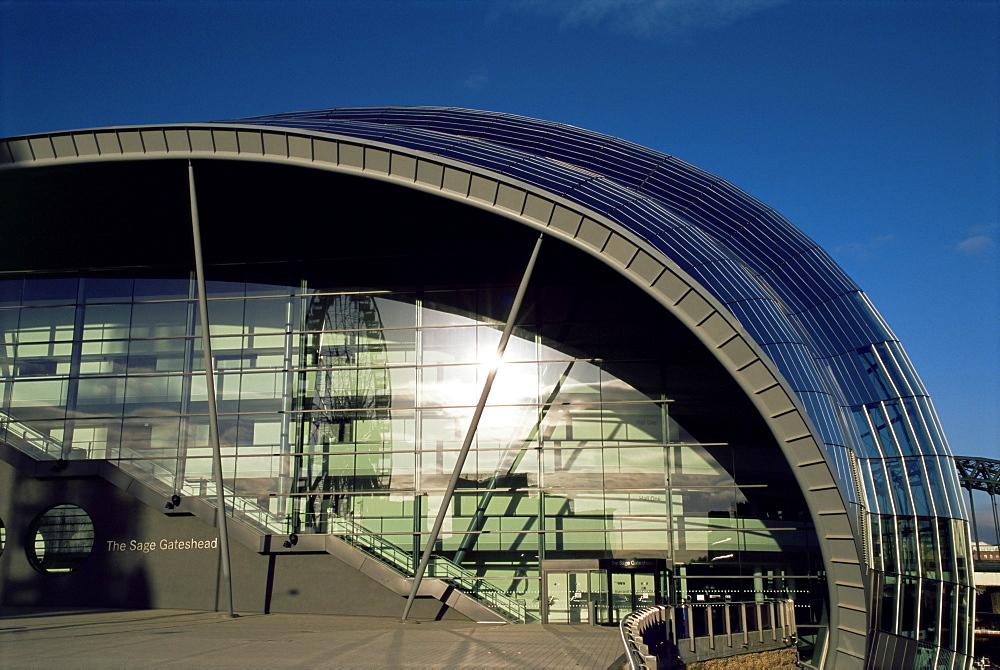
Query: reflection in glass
[[343, 412]]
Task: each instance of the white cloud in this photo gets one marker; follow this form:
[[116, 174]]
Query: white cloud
[[476, 82], [647, 17], [864, 250], [980, 240], [975, 245]]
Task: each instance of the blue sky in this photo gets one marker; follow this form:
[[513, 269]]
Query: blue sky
[[871, 125]]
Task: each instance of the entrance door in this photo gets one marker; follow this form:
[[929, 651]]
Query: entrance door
[[569, 597], [630, 591]]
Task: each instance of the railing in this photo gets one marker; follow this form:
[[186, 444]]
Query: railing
[[668, 636], [512, 609], [26, 436], [372, 544], [237, 507]]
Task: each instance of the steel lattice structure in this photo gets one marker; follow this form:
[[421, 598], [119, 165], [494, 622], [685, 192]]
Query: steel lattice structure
[[981, 474]]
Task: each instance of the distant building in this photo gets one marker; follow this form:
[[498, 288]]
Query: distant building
[[983, 551], [696, 402]]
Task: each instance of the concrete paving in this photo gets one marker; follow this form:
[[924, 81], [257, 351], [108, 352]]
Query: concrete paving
[[91, 638]]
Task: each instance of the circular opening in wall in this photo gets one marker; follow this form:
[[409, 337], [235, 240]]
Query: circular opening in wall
[[60, 539]]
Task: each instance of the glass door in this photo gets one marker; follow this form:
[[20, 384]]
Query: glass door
[[643, 590], [569, 597], [581, 606], [631, 591], [621, 595], [600, 593]]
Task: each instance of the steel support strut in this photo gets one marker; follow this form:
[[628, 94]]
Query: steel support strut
[[213, 413], [471, 433]]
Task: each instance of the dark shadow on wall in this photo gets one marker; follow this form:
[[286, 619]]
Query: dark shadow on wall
[[104, 579], [269, 584]]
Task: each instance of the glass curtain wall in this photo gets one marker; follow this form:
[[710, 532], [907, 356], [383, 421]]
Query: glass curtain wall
[[920, 544], [342, 411]]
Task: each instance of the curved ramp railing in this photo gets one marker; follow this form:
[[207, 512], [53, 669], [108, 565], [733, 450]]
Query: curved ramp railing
[[672, 636]]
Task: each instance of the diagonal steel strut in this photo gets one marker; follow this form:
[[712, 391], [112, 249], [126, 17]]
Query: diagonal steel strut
[[213, 421], [471, 433]]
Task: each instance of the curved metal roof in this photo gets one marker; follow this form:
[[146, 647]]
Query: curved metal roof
[[841, 359]]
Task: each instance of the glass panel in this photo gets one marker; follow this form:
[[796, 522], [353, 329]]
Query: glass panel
[[946, 550], [60, 539], [908, 549], [107, 289], [49, 291], [599, 585], [890, 603], [159, 319], [10, 292], [929, 549], [622, 595], [930, 611], [163, 289], [909, 598]]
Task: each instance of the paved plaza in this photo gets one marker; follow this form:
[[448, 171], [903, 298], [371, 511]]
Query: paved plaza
[[90, 638]]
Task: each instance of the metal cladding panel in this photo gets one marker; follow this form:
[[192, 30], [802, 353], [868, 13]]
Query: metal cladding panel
[[420, 140], [600, 196], [738, 205], [728, 281], [794, 356], [717, 205], [650, 215], [553, 177], [672, 186], [762, 319], [481, 154], [628, 164], [796, 279], [768, 239], [689, 246]]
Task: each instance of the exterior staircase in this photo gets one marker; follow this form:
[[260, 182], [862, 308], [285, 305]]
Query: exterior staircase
[[42, 456]]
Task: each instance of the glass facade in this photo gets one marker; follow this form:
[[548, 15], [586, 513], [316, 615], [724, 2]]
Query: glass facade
[[342, 411], [352, 337]]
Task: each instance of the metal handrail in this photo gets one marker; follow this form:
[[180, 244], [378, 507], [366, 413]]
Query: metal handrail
[[652, 636], [44, 443], [439, 567]]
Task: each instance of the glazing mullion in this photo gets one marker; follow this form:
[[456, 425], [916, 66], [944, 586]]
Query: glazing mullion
[[73, 376], [299, 401], [418, 416], [940, 611], [897, 574], [185, 405]]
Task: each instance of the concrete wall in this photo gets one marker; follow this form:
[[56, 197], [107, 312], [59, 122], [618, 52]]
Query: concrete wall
[[119, 573]]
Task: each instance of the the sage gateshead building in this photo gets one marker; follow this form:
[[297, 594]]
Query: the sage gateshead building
[[694, 401]]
